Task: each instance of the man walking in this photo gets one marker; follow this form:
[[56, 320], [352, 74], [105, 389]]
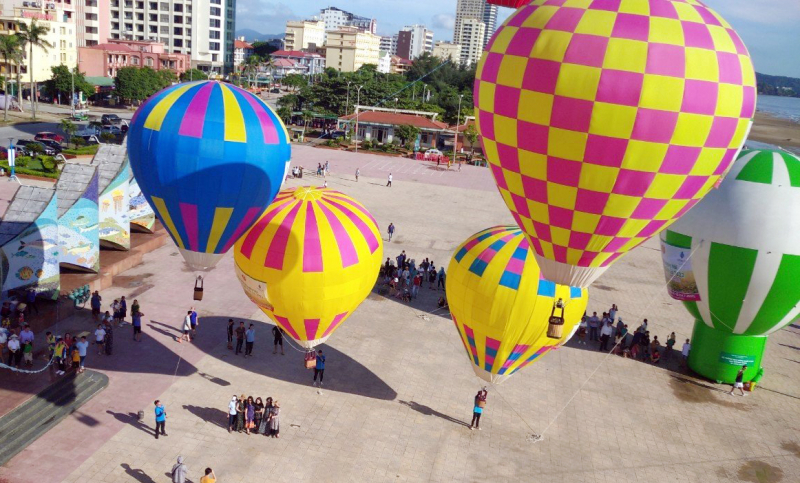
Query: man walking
[[240, 331], [187, 327], [250, 338], [319, 370], [389, 184], [193, 321], [739, 384], [99, 338], [390, 230], [358, 172], [232, 413], [277, 339], [161, 419], [230, 334]]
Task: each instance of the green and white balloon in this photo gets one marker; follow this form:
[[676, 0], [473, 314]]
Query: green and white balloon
[[743, 247]]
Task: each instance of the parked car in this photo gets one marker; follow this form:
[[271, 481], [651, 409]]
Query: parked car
[[112, 129], [337, 134], [90, 130], [110, 119], [52, 144], [90, 139], [24, 147], [49, 135], [275, 90]]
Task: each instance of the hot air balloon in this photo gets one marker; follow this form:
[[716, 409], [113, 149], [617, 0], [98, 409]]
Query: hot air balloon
[[734, 260], [209, 158], [506, 315], [605, 121], [309, 261]]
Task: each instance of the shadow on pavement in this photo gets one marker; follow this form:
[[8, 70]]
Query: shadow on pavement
[[427, 411], [342, 372], [137, 474], [133, 420], [215, 380], [215, 416]]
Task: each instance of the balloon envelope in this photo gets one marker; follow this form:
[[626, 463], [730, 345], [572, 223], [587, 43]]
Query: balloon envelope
[[209, 157], [501, 306], [603, 122], [309, 261], [743, 248]]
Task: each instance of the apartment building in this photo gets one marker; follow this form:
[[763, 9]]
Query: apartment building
[[478, 10], [472, 32], [389, 44], [304, 34], [105, 60], [336, 18], [447, 51], [349, 48], [203, 29], [413, 41], [59, 18]]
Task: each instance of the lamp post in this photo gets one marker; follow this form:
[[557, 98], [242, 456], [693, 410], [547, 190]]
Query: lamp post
[[12, 155], [358, 102], [72, 96], [395, 105], [347, 106], [458, 123]]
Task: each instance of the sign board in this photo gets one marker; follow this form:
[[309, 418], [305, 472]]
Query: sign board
[[737, 359], [681, 283]]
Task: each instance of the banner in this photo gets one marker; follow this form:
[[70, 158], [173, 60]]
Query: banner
[[681, 284]]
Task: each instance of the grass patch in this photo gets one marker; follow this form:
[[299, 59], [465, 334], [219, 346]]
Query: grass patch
[[33, 172], [83, 150]]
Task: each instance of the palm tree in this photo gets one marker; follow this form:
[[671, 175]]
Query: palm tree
[[33, 35], [10, 50]]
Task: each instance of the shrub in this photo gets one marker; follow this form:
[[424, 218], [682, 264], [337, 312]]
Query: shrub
[[92, 149], [366, 144]]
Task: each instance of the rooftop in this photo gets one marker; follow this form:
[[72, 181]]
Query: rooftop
[[293, 53], [397, 119], [241, 44], [72, 184]]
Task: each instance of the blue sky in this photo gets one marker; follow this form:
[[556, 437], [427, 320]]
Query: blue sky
[[770, 28]]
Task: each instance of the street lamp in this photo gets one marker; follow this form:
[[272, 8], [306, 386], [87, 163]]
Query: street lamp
[[458, 123], [347, 106], [72, 96], [358, 102], [395, 105], [12, 154]]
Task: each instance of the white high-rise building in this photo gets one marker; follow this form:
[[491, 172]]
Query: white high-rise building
[[475, 9], [203, 29], [472, 32], [389, 44], [413, 41], [336, 18]]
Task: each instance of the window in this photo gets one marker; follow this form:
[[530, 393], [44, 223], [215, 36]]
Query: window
[[91, 16], [214, 23], [177, 7], [164, 40], [177, 43], [216, 11], [91, 30], [148, 62], [63, 44], [214, 57], [165, 6], [153, 17], [213, 34], [63, 30], [177, 31], [135, 60], [213, 45], [115, 26], [177, 19], [140, 5], [164, 18], [165, 29]]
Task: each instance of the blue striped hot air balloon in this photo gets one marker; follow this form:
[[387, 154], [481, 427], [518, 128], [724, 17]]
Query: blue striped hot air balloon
[[209, 157]]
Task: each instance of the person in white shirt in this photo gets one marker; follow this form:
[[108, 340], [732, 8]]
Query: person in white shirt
[[232, 413], [187, 327], [605, 334], [685, 352], [389, 184], [100, 337], [82, 346], [14, 352]]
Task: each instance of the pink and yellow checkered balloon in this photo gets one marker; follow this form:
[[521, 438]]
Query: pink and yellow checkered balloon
[[606, 120]]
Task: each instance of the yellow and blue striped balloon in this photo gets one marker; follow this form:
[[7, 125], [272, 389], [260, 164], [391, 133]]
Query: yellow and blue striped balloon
[[309, 261], [209, 157], [501, 305]]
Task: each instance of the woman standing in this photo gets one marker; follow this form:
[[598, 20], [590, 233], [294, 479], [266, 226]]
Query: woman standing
[[250, 410], [259, 414], [275, 420], [241, 407], [109, 341], [263, 428], [135, 307]]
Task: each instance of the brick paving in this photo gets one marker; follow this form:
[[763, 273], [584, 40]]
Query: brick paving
[[399, 388]]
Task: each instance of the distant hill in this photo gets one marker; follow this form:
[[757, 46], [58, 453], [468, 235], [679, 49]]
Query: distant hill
[[778, 85], [251, 35]]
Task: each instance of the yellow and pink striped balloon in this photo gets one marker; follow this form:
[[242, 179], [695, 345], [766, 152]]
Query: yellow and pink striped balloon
[[309, 261]]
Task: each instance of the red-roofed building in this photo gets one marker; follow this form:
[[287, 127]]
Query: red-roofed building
[[241, 51], [400, 65], [314, 63], [378, 125], [104, 60]]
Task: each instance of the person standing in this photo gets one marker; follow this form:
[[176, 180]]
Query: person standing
[[135, 308], [96, 305], [605, 334], [594, 321], [477, 410], [582, 331], [250, 338], [83, 346], [99, 338], [161, 419], [275, 419], [123, 309], [249, 415], [390, 230], [115, 309], [739, 384], [230, 334], [136, 321], [187, 327], [440, 278], [319, 369], [179, 471], [31, 300], [193, 321], [241, 407], [232, 413], [277, 339], [389, 184], [358, 172], [417, 282], [240, 331], [14, 351], [685, 352], [60, 355], [209, 477]]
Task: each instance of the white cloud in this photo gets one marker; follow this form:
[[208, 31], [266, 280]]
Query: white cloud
[[443, 21], [264, 17]]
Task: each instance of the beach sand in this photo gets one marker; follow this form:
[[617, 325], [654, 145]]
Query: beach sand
[[775, 130]]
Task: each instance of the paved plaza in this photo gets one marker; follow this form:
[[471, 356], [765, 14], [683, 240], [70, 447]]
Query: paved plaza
[[398, 389]]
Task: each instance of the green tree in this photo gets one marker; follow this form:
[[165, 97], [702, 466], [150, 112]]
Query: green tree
[[471, 135], [167, 77], [11, 51], [69, 128], [33, 35], [285, 113], [407, 133], [61, 82], [137, 84], [193, 75], [263, 49], [295, 81]]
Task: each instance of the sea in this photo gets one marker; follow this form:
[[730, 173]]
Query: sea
[[783, 107]]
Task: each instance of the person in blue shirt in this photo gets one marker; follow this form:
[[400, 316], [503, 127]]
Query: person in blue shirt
[[249, 339], [193, 319], [96, 305], [477, 410], [319, 370], [161, 418], [137, 326]]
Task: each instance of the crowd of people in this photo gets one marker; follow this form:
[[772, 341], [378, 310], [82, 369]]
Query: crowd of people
[[612, 334], [254, 416], [405, 279]]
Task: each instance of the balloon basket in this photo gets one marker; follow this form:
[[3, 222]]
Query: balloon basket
[[718, 355], [310, 360], [198, 288], [555, 331]]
